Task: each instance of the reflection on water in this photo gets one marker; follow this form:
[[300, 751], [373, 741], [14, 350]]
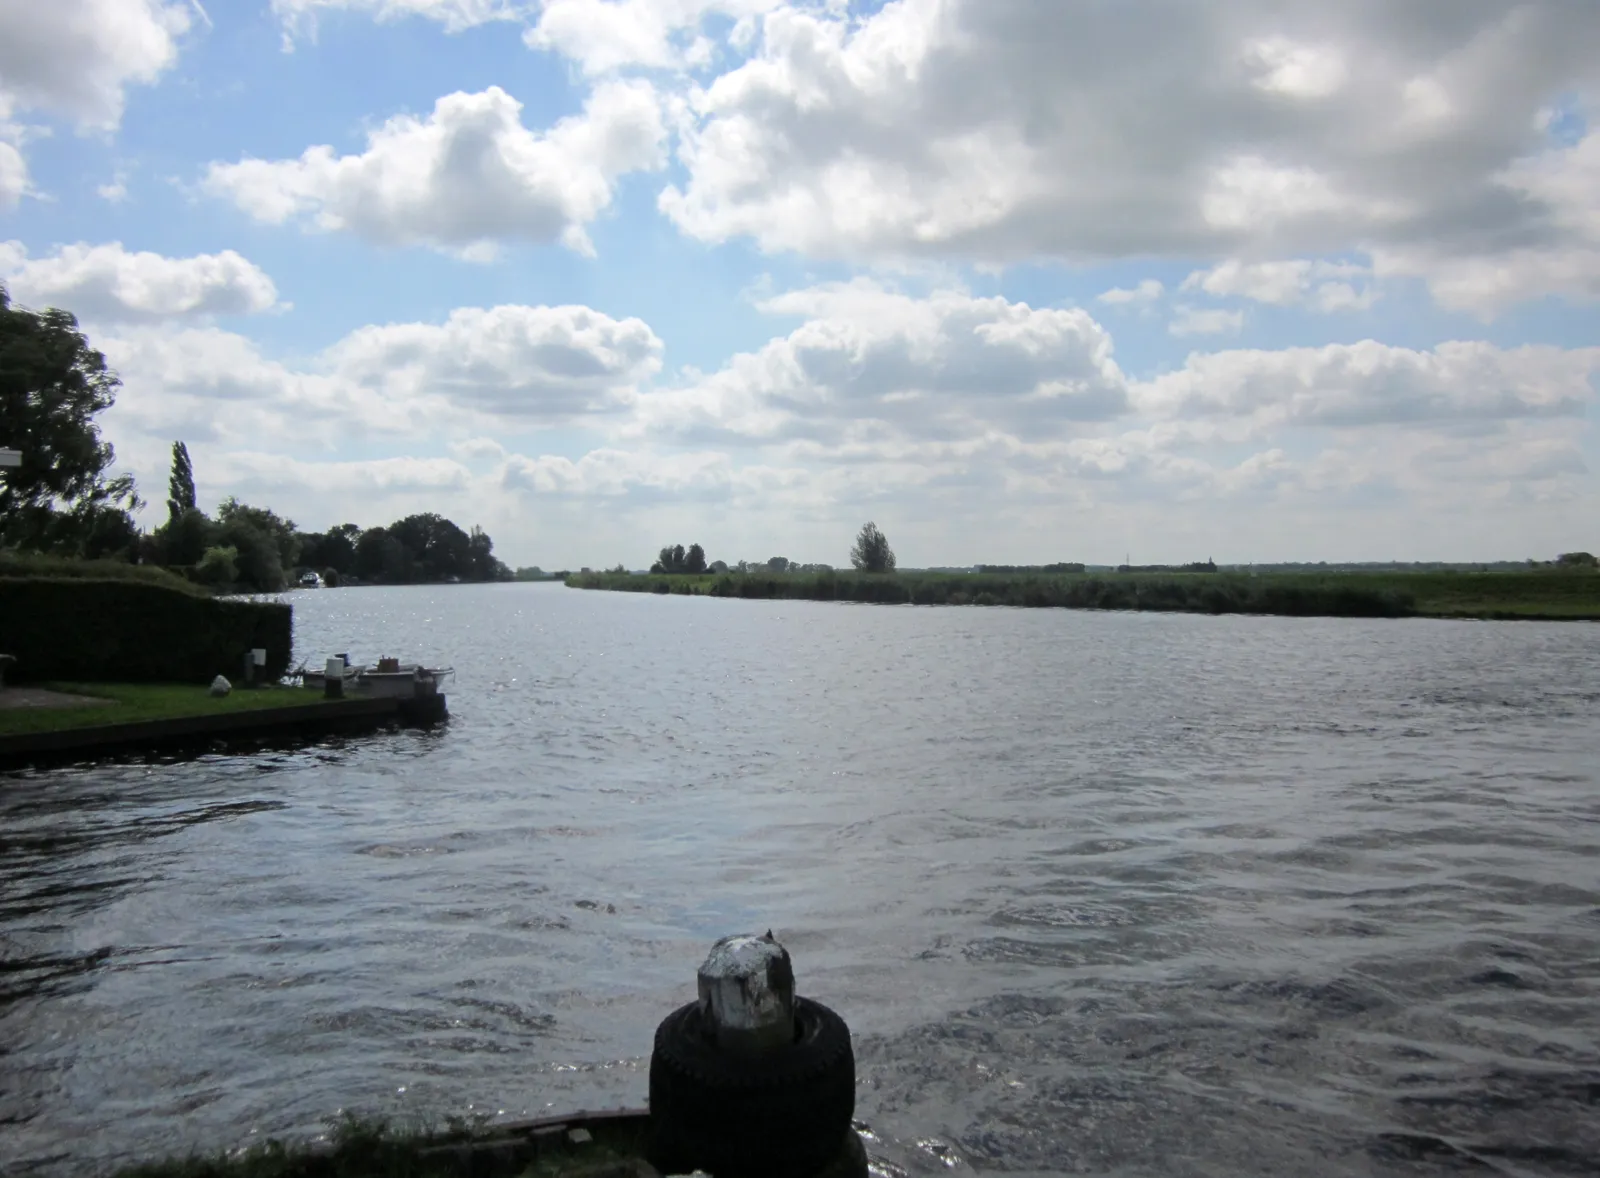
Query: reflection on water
[[1113, 894]]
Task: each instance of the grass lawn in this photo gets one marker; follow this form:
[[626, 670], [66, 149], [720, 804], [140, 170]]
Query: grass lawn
[[128, 702]]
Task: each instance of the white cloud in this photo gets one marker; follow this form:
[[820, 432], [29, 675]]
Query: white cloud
[[13, 175], [115, 192], [999, 130], [1145, 293], [539, 363], [610, 473], [479, 373], [1295, 70], [968, 427], [463, 178], [1558, 253], [604, 35], [106, 283], [78, 58], [871, 364], [245, 469], [1202, 321], [1368, 383], [478, 450], [1286, 283], [300, 16]]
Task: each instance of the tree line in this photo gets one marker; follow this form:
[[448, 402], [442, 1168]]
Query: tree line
[[63, 500], [871, 554], [255, 548]]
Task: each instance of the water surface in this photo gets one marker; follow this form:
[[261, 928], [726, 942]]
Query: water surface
[[1124, 894]]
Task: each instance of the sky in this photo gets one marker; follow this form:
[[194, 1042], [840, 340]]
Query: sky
[[1019, 280]]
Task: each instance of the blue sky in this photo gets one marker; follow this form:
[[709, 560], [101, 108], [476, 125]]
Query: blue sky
[[1251, 280]]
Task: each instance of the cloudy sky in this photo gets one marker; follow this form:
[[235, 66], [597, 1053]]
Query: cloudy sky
[[1020, 280]]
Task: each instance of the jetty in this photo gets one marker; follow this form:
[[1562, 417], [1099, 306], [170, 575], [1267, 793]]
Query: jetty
[[56, 722]]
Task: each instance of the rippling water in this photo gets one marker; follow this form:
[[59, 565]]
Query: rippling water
[[1116, 894]]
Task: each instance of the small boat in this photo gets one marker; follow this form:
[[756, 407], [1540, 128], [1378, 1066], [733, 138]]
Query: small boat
[[389, 679]]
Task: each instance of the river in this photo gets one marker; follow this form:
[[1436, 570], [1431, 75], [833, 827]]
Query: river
[[1123, 894]]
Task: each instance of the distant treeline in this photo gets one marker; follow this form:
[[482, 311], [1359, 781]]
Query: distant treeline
[[1573, 594], [1214, 595], [254, 548], [1063, 567], [1566, 561]]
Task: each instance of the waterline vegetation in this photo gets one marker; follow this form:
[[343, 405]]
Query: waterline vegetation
[[1565, 589]]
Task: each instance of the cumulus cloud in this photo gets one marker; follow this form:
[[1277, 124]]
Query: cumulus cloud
[[1285, 283], [383, 476], [78, 59], [1145, 293], [541, 363], [999, 130], [604, 35], [962, 415], [108, 284], [13, 174], [873, 363], [609, 473], [1368, 383], [1556, 253], [299, 17], [1203, 321], [464, 177], [481, 371]]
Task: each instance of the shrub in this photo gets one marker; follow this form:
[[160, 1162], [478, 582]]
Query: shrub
[[133, 631], [219, 566]]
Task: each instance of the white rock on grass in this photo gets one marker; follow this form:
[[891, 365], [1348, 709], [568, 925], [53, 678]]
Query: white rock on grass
[[220, 687]]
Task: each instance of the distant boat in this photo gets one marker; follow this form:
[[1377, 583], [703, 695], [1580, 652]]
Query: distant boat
[[310, 580]]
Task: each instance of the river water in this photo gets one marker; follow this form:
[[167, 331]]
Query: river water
[[1125, 894]]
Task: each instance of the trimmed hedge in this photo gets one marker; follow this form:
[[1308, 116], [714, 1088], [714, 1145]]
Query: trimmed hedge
[[135, 632]]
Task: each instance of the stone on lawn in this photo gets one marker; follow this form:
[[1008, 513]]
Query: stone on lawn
[[220, 687]]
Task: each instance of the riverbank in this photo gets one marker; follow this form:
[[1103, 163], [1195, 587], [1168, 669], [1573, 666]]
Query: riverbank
[[94, 719], [98, 704], [1550, 596]]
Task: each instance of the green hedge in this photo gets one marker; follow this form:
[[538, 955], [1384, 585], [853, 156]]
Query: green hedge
[[33, 564], [134, 632]]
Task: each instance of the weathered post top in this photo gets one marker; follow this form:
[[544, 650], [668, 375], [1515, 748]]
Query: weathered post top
[[747, 993], [10, 457]]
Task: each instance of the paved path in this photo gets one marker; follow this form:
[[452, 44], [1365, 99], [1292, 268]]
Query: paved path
[[39, 697]]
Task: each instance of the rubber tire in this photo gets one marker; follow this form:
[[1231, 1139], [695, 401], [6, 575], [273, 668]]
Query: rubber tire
[[782, 1115]]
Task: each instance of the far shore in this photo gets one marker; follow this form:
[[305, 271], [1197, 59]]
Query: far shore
[[1533, 595]]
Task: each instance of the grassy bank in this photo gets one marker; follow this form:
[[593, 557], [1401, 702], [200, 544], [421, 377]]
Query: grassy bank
[[130, 702], [17, 564], [1554, 595]]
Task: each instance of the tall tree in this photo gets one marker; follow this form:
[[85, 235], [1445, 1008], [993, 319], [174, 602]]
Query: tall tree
[[267, 544], [694, 560], [872, 553], [180, 486], [52, 383]]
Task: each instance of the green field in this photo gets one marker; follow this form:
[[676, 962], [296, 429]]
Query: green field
[[129, 702], [1535, 594]]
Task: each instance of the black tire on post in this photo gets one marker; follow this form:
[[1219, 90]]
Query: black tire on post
[[780, 1115]]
